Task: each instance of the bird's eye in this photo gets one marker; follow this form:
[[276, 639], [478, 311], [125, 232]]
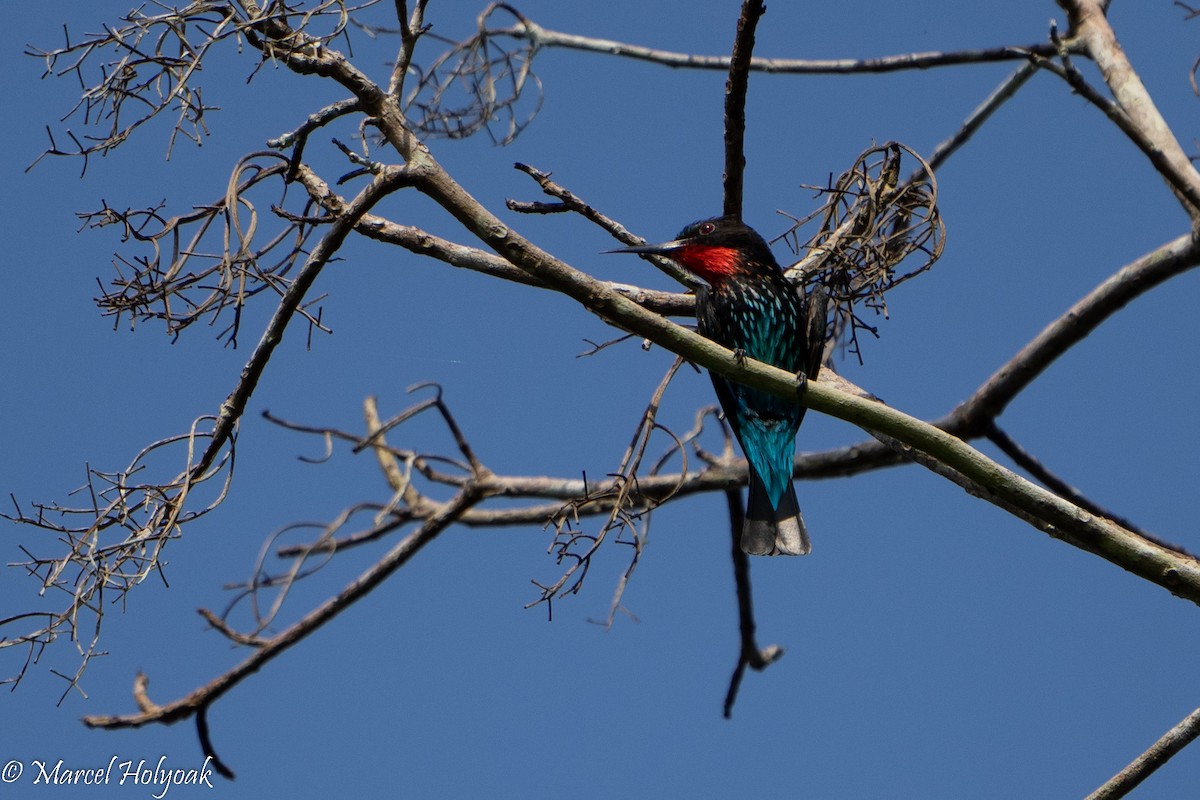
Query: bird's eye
[[707, 227]]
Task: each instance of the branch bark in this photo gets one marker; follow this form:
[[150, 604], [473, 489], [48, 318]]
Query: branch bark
[[206, 695], [387, 181], [1147, 127], [735, 105], [545, 37], [1144, 765]]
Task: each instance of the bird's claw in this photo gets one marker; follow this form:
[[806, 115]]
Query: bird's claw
[[739, 355]]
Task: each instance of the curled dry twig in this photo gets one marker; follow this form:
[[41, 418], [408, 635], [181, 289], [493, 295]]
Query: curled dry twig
[[628, 513], [483, 83], [267, 588], [871, 223], [148, 65], [210, 261]]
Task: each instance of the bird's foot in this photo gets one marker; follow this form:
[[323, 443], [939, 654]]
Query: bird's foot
[[739, 355]]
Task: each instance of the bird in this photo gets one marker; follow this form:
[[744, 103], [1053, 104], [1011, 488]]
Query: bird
[[748, 305]]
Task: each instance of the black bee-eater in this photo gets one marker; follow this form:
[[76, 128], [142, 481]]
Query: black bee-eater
[[751, 308]]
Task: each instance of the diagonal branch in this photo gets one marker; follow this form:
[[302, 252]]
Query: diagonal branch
[[1129, 282], [569, 201], [421, 242], [205, 696], [1026, 461], [982, 113], [388, 180], [971, 418], [1144, 765]]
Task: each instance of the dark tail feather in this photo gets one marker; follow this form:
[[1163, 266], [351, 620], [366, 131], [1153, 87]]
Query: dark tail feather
[[773, 531]]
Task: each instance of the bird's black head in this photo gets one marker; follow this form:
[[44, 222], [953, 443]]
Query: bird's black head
[[715, 249]]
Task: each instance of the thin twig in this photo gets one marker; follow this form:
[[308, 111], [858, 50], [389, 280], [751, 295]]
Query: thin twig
[[1026, 461], [1139, 119], [206, 695], [578, 547], [387, 181], [545, 37], [1144, 765], [206, 745], [975, 120], [573, 202], [749, 654]]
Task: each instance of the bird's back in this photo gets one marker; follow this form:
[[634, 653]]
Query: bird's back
[[763, 316]]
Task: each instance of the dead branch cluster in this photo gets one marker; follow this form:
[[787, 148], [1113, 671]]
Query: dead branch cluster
[[622, 500], [870, 224], [114, 539], [483, 83], [206, 265], [280, 222], [146, 66]]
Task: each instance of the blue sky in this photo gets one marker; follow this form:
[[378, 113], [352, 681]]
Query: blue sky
[[936, 647]]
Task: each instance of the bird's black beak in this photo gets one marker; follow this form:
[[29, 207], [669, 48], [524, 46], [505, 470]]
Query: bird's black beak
[[663, 249]]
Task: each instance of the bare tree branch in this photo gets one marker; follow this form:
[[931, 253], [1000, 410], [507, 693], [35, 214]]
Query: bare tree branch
[[1075, 324], [982, 113], [735, 105], [1026, 461], [397, 557], [749, 653], [155, 62], [1139, 117], [182, 284], [144, 515], [626, 515], [381, 185], [1144, 765], [545, 38]]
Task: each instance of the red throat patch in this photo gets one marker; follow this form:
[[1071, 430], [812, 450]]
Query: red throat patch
[[713, 264]]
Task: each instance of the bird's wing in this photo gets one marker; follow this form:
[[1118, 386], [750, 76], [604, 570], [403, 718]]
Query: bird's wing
[[816, 313]]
